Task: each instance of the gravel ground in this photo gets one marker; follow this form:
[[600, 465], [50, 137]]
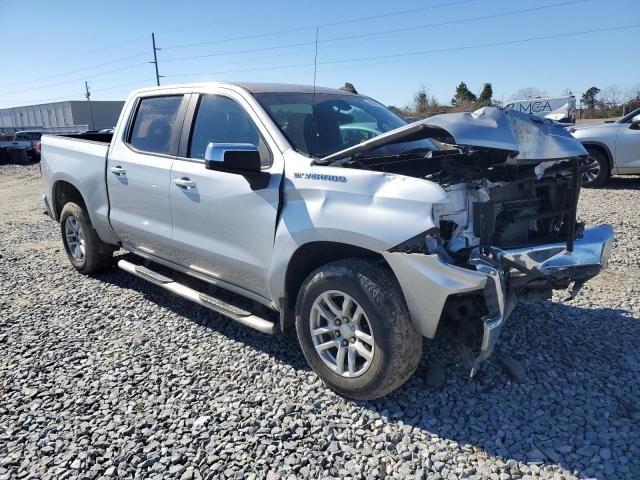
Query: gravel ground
[[110, 377]]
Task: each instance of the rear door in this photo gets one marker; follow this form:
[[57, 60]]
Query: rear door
[[224, 227], [138, 173]]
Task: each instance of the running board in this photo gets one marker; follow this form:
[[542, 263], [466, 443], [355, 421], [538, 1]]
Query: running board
[[235, 313]]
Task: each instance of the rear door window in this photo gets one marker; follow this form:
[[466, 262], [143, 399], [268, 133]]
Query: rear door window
[[154, 127]]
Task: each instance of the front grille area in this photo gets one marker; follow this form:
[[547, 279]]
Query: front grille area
[[529, 212]]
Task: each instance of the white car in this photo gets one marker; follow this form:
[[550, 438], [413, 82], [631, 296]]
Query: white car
[[614, 148]]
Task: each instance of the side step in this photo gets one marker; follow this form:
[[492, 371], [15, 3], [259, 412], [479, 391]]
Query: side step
[[239, 315]]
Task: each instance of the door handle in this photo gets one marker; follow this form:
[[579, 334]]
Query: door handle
[[184, 182], [118, 170]]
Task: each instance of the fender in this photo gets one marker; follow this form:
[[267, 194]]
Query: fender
[[607, 151], [371, 210]]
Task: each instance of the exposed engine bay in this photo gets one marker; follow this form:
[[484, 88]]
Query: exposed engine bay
[[494, 206], [512, 182], [492, 202]]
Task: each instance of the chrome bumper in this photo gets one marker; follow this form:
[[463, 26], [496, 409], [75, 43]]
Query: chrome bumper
[[550, 263], [591, 252]]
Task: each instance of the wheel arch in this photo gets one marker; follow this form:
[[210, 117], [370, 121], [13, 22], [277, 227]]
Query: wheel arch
[[64, 192], [601, 147], [309, 256]]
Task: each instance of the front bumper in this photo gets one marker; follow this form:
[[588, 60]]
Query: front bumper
[[542, 266], [590, 254], [427, 281]]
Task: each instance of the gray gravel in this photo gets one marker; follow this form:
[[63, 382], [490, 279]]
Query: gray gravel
[[108, 377]]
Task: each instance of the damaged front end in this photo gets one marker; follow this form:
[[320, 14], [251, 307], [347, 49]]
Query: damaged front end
[[508, 229]]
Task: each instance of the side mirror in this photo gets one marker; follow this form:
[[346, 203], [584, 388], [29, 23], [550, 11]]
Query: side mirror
[[239, 158], [635, 122]]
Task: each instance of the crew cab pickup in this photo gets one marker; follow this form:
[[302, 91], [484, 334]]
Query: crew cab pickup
[[362, 231]]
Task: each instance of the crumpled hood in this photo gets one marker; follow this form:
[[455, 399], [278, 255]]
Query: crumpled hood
[[526, 137]]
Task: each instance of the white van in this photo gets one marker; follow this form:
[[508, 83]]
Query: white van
[[561, 109]]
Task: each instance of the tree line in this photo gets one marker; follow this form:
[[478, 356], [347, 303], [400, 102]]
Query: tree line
[[610, 101]]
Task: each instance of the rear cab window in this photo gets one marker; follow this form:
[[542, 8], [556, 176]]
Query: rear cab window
[[154, 128]]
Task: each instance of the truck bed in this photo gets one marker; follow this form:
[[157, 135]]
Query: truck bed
[[79, 160]]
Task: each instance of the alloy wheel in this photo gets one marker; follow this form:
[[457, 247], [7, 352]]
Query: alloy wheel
[[341, 333], [75, 238], [591, 170]]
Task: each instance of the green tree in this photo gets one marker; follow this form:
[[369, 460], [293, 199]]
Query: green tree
[[589, 98], [421, 100], [424, 103], [463, 95], [485, 97]]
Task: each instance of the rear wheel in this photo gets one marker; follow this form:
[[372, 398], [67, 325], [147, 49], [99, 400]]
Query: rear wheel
[[86, 252], [596, 169], [354, 329]]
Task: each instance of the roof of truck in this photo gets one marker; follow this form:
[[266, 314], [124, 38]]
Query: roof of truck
[[257, 87]]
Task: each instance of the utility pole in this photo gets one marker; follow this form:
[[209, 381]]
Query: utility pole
[[155, 57], [88, 95]]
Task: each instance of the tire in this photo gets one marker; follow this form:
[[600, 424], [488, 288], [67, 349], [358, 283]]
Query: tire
[[394, 347], [95, 255], [598, 169]]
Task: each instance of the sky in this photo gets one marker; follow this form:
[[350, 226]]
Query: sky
[[388, 50]]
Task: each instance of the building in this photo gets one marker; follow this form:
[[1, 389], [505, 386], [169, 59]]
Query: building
[[69, 116]]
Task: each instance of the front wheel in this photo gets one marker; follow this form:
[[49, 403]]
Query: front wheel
[[354, 329], [87, 253], [596, 169]]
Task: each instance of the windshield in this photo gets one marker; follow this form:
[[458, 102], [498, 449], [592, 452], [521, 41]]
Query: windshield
[[332, 122], [627, 118]]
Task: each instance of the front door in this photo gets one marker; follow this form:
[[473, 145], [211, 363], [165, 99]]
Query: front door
[[223, 226], [138, 175], [628, 147]]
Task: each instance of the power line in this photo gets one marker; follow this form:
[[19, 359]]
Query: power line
[[360, 19], [73, 81], [485, 45], [371, 34], [112, 87], [97, 49], [42, 100], [235, 52], [417, 53], [322, 25], [106, 47], [74, 71], [69, 96], [453, 22]]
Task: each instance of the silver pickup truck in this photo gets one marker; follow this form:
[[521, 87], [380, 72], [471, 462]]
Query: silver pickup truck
[[364, 232]]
